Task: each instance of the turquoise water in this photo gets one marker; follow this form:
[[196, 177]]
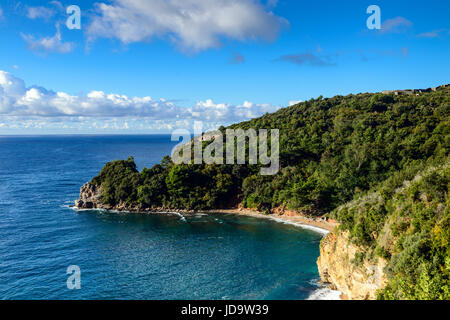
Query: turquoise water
[[132, 256]]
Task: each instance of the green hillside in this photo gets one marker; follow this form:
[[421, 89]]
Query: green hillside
[[347, 157]]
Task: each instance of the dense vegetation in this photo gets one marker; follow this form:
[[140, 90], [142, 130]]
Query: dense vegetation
[[348, 157], [407, 222]]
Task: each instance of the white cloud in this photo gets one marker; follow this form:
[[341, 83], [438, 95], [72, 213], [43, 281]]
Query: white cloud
[[294, 102], [1, 12], [49, 44], [434, 33], [193, 25], [36, 106], [40, 13], [57, 4], [396, 25], [210, 111], [11, 89]]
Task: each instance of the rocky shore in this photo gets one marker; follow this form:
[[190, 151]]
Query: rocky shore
[[90, 199]]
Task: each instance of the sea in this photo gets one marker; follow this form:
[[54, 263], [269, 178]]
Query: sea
[[134, 256]]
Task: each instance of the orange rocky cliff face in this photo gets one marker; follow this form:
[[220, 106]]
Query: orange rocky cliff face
[[356, 281]]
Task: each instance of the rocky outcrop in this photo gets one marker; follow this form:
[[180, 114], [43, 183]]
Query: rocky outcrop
[[338, 265], [89, 197]]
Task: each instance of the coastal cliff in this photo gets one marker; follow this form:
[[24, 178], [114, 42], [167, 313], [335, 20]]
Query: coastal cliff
[[376, 164], [408, 225], [89, 197], [339, 266]]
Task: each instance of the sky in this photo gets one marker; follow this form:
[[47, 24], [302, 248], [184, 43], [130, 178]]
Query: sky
[[152, 66]]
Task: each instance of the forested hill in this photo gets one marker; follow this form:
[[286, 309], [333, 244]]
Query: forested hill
[[362, 147], [331, 150]]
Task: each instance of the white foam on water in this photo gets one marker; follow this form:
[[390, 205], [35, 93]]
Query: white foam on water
[[92, 209], [182, 218], [218, 220], [200, 214], [325, 293], [301, 225]]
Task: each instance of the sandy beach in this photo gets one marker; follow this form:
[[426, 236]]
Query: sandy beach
[[316, 224]]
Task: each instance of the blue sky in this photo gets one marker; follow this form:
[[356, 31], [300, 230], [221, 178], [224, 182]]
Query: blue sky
[[144, 66]]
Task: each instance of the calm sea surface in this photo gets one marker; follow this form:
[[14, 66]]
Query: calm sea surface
[[132, 256]]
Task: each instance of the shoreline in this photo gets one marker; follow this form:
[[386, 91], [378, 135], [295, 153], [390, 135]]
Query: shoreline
[[320, 226], [90, 199], [315, 224]]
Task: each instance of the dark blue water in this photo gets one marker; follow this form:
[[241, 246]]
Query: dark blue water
[[132, 256]]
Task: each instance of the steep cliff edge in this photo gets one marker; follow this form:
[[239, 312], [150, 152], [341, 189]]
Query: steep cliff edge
[[339, 266], [393, 243]]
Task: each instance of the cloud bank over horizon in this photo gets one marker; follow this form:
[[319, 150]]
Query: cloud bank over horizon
[[39, 108]]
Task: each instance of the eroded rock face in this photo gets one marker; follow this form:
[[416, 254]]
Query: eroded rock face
[[356, 281], [89, 197]]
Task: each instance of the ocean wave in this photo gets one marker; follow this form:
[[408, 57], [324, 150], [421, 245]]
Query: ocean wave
[[325, 293], [301, 225], [182, 218], [76, 209]]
